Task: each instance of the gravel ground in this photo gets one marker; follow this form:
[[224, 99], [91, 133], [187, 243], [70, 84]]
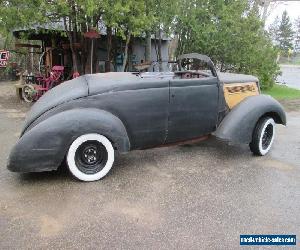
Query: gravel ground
[[200, 196]]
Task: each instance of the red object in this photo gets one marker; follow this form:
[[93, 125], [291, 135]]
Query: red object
[[75, 74], [92, 34], [4, 56], [46, 83], [58, 68]]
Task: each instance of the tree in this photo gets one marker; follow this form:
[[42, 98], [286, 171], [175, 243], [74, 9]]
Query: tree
[[297, 35], [128, 18], [78, 16], [231, 33], [164, 14], [274, 30], [285, 33]]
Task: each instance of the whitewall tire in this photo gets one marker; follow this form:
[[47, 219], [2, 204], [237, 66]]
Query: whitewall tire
[[263, 136], [90, 157]]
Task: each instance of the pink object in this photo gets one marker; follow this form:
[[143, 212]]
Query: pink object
[[46, 83], [58, 68], [75, 74]]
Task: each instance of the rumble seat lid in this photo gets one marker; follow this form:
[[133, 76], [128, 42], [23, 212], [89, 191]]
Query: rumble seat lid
[[122, 81], [111, 81], [236, 78]]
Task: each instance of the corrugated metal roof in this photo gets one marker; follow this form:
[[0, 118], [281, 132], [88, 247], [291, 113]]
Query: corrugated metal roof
[[59, 26]]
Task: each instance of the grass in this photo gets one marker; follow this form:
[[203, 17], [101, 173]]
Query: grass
[[282, 92], [292, 61], [283, 62]]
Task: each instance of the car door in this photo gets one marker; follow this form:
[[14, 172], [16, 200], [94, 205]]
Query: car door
[[143, 111], [193, 108]]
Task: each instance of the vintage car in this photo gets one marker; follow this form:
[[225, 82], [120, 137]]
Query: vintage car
[[85, 120]]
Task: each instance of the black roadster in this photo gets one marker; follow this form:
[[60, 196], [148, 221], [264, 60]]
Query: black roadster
[[83, 121]]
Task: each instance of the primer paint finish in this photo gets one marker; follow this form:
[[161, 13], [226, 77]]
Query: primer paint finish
[[134, 113]]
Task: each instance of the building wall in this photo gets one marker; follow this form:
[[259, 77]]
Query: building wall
[[136, 56], [139, 50]]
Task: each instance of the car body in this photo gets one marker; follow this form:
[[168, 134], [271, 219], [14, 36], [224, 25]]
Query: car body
[[130, 111]]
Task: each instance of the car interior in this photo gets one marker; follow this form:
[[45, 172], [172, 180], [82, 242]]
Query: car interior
[[186, 68]]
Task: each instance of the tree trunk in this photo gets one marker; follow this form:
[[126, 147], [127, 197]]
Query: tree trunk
[[109, 48], [148, 47], [126, 51], [73, 52], [159, 50], [74, 59]]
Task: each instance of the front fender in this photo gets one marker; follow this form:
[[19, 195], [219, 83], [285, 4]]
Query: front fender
[[239, 123], [44, 147]]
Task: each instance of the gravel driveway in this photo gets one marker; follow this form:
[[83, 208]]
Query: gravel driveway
[[200, 196]]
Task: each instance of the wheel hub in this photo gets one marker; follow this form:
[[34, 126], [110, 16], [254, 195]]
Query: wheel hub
[[91, 157]]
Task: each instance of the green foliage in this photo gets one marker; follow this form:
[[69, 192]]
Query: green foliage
[[126, 16], [163, 14], [274, 30], [6, 41], [231, 33], [286, 33], [19, 13], [282, 92], [297, 35]]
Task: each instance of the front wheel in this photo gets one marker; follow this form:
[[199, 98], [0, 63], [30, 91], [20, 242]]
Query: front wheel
[[90, 157], [263, 136]]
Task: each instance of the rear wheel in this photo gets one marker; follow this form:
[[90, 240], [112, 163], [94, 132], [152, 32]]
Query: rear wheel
[[90, 157], [263, 136]]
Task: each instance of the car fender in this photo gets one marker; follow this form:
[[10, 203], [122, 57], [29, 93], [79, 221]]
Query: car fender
[[44, 146], [239, 123]]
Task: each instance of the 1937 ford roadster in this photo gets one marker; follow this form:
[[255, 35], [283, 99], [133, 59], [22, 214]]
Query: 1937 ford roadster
[[85, 120]]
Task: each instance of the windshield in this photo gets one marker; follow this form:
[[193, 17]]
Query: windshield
[[195, 65], [187, 64]]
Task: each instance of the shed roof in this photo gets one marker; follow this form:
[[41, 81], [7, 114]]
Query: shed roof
[[58, 26]]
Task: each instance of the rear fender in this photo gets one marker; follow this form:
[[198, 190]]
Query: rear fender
[[239, 123]]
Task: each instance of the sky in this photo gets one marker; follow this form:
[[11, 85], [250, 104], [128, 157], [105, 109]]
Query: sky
[[293, 9]]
